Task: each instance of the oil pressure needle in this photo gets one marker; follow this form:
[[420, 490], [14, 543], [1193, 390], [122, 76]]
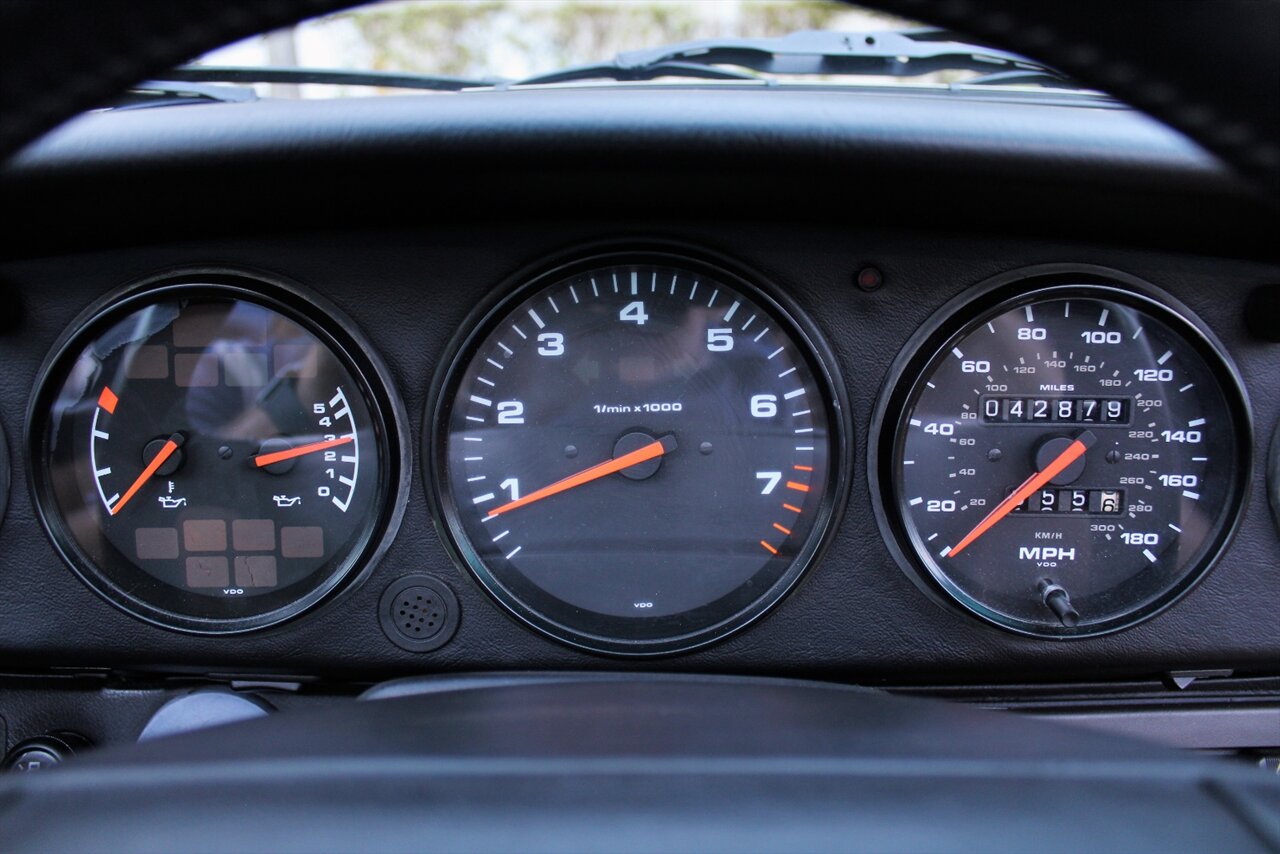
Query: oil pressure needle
[[301, 451], [1072, 453]]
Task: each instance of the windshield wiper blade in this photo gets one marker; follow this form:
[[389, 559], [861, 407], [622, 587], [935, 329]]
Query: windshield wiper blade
[[168, 93], [327, 76], [626, 73], [1020, 77], [905, 53]]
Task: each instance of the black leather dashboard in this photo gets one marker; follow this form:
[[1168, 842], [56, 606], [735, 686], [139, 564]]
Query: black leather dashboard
[[433, 204], [963, 164]]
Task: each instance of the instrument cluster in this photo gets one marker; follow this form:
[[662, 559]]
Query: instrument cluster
[[641, 451]]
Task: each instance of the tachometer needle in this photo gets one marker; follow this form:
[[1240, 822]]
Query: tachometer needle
[[653, 450], [1072, 453], [166, 451], [301, 451]]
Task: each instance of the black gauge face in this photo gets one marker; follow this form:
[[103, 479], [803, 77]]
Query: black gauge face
[[1069, 461], [637, 455], [212, 460]]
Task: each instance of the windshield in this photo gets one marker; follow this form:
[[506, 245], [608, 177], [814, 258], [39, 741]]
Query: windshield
[[479, 43]]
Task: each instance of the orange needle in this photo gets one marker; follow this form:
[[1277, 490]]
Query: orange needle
[[653, 450], [175, 442], [301, 451], [1072, 453]]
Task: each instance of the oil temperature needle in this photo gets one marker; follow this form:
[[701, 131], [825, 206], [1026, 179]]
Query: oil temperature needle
[[301, 451], [175, 442], [1072, 453], [651, 451]]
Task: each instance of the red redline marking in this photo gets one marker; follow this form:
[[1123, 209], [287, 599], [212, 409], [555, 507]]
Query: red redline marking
[[769, 547], [803, 468], [791, 508], [798, 487], [108, 400], [786, 531]]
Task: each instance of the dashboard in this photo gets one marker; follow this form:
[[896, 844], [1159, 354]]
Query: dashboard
[[898, 390], [607, 467]]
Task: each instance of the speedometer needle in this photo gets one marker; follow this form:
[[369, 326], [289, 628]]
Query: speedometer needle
[[651, 451], [166, 451], [1072, 453], [301, 451]]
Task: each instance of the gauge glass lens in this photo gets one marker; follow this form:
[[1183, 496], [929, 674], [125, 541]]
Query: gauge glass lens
[[1068, 461], [210, 459], [638, 457]]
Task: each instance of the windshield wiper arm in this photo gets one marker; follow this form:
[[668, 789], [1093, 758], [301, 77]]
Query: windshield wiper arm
[[327, 76], [907, 53]]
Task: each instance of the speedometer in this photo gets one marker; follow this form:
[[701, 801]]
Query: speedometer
[[638, 453], [1063, 456]]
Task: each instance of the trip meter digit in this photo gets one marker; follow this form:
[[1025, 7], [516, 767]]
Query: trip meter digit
[[638, 453], [1064, 460], [214, 458]]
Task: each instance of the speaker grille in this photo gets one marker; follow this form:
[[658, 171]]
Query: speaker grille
[[418, 613]]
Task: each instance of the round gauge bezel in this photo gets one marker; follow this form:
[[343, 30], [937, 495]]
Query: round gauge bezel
[[318, 317], [995, 296], [5, 475], [813, 349], [1273, 477]]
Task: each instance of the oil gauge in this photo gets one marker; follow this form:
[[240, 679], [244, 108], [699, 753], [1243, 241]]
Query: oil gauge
[[214, 454]]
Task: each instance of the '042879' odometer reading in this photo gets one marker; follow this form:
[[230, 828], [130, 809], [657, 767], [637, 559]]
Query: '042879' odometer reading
[[638, 453], [1064, 460]]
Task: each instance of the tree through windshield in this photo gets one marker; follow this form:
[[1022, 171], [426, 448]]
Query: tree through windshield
[[511, 42]]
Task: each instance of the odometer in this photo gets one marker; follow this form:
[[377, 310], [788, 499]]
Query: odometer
[[638, 453], [1063, 456]]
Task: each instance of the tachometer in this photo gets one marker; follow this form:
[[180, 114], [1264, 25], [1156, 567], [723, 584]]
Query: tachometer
[[638, 453], [213, 457], [1064, 455]]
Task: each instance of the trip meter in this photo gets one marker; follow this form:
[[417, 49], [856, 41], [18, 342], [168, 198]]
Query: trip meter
[[1063, 456], [216, 454]]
